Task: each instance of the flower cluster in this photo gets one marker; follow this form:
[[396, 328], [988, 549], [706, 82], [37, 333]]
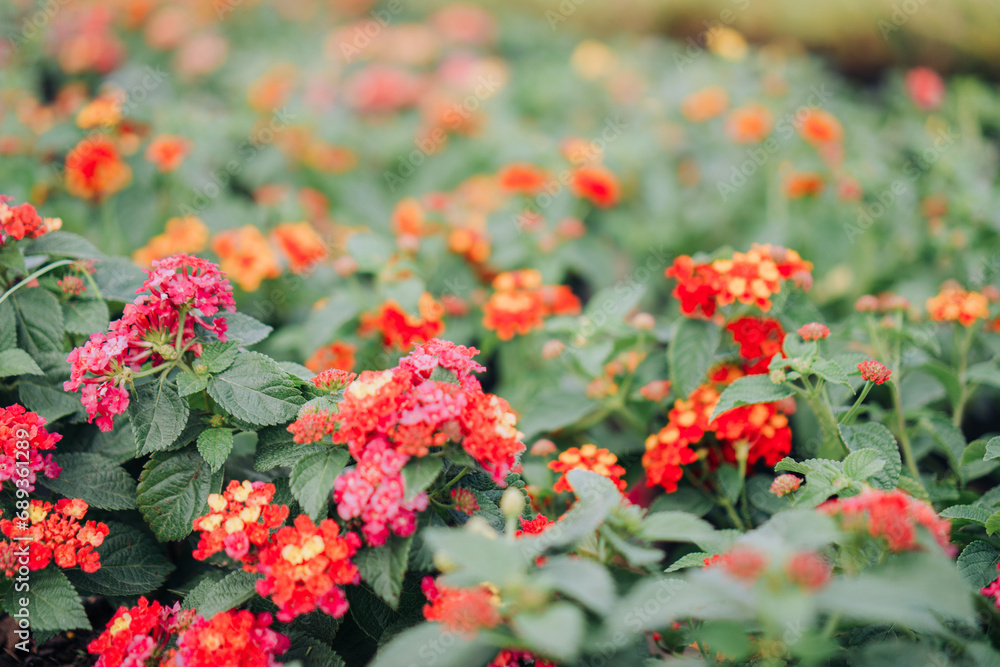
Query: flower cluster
[[178, 293], [138, 635], [240, 522], [462, 610], [892, 516], [54, 533], [759, 338], [95, 169], [588, 457], [785, 484], [752, 277], [22, 221], [515, 658], [813, 331], [886, 302], [336, 355], [520, 303], [401, 329], [304, 566], [23, 438], [234, 637], [245, 255], [187, 234], [954, 304], [874, 371]]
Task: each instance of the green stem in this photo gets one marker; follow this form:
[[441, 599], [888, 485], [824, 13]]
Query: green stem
[[966, 389], [904, 437], [37, 274], [831, 625], [180, 332], [849, 416], [827, 423], [93, 285], [455, 479]]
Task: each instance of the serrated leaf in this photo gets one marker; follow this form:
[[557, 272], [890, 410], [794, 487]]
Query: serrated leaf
[[556, 632], [949, 438], [751, 389], [297, 370], [39, 321], [695, 559], [256, 390], [173, 491], [992, 449], [971, 513], [212, 597], [63, 244], [583, 580], [93, 478], [312, 479], [418, 474], [445, 648], [188, 383], [993, 523], [131, 564], [245, 330], [8, 326], [158, 415], [85, 316], [690, 353], [311, 652], [383, 568], [118, 279], [791, 465], [830, 371], [214, 444], [862, 464], [978, 564], [677, 527], [53, 604], [873, 435], [48, 401], [17, 362], [217, 357], [277, 447]]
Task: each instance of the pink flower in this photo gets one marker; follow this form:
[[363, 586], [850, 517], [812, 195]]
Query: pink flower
[[874, 371], [813, 331], [925, 87]]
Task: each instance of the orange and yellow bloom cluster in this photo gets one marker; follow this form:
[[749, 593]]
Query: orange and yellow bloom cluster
[[240, 522], [401, 329], [520, 303], [892, 516], [588, 457], [954, 304], [53, 533]]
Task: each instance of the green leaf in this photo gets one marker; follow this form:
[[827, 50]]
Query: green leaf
[[12, 257], [636, 554], [217, 357], [39, 321], [751, 389], [383, 568], [214, 444], [188, 383], [311, 652], [434, 645], [978, 564], [119, 279], [214, 597], [730, 481], [17, 362], [312, 479], [677, 527], [277, 447], [862, 464], [131, 564], [992, 449], [85, 316], [63, 244], [52, 603], [93, 478], [586, 581], [694, 559], [690, 353], [985, 373], [48, 401], [552, 411], [872, 435], [993, 524], [949, 438], [830, 371], [256, 390], [8, 326], [555, 632], [419, 474], [971, 513], [297, 370], [173, 491], [158, 415], [245, 330]]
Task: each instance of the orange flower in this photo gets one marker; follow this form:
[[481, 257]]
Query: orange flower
[[167, 152], [187, 235], [819, 127], [749, 124], [244, 255], [94, 169], [588, 457], [104, 111], [401, 329], [408, 218], [799, 184], [596, 184], [472, 244], [705, 104], [522, 177], [301, 244], [336, 355], [954, 304], [461, 610], [521, 303]]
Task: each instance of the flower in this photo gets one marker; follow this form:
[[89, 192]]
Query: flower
[[240, 522], [23, 438], [516, 658], [181, 235], [134, 634], [813, 331], [799, 184], [465, 501], [819, 127], [760, 339], [301, 244], [808, 570], [245, 255], [167, 152], [336, 355], [749, 124], [588, 457], [55, 533], [333, 379], [785, 484], [665, 453], [705, 104], [596, 184], [954, 304], [235, 637], [520, 303], [462, 610], [22, 221], [925, 87], [522, 177], [892, 516], [874, 371], [304, 566], [534, 526], [655, 391], [72, 285], [94, 169], [401, 329], [740, 562]]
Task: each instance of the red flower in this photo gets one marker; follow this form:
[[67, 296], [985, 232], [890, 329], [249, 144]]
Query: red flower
[[401, 329], [596, 184], [588, 457], [334, 379], [23, 438], [808, 570], [134, 634], [874, 371], [534, 526], [813, 331], [522, 177], [520, 303], [925, 87], [785, 484], [892, 516], [167, 152], [337, 355], [313, 426], [465, 501], [94, 169], [55, 535], [22, 221], [463, 610], [760, 339], [236, 637], [240, 522], [745, 563]]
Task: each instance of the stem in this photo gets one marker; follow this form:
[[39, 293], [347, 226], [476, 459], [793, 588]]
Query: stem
[[966, 390], [93, 285], [180, 332], [824, 416], [904, 437], [831, 625], [849, 417], [741, 459], [455, 479], [37, 274]]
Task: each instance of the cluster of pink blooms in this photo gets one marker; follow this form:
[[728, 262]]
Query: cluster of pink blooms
[[179, 292], [387, 417], [23, 438]]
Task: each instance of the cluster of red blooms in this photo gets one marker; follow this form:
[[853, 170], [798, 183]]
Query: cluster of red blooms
[[874, 371], [521, 303], [886, 302], [752, 277], [314, 425], [462, 610], [54, 535], [465, 501], [23, 438], [759, 338], [22, 221], [179, 292], [588, 457], [240, 522], [401, 329], [805, 569], [813, 331], [135, 635], [515, 658], [388, 416], [304, 566], [785, 484], [762, 428], [954, 304], [890, 515]]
